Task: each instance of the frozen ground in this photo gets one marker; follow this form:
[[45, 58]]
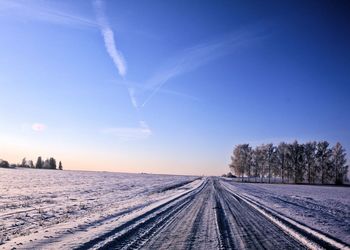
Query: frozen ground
[[41, 207], [324, 208]]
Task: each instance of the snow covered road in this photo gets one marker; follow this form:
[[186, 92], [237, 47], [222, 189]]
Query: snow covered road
[[212, 216]]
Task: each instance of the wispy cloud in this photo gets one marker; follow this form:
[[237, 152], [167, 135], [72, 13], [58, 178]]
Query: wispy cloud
[[194, 57], [43, 12], [127, 133], [39, 127], [108, 37]]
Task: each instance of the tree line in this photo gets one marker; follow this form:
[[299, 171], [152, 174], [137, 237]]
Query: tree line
[[312, 162], [49, 163]]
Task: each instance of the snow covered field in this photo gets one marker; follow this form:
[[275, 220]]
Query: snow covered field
[[46, 209], [40, 207], [324, 208]]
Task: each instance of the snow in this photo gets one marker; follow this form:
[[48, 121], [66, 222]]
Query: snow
[[41, 207], [324, 208], [63, 209]]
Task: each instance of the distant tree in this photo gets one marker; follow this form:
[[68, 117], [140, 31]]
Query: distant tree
[[276, 167], [4, 164], [310, 161], [339, 163], [282, 154], [232, 166], [296, 158], [61, 168], [241, 160], [237, 162], [323, 157], [257, 162], [39, 163], [46, 164], [263, 162], [267, 161], [270, 158], [254, 167], [230, 175], [248, 160], [24, 163], [345, 173], [30, 164], [289, 164], [52, 163]]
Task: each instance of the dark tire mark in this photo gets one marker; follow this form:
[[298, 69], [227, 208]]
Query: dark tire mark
[[302, 232], [209, 217], [226, 241], [168, 206]]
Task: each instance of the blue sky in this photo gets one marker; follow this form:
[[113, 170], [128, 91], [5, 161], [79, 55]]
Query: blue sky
[[169, 86]]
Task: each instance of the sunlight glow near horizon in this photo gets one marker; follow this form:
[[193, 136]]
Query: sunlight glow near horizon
[[104, 85]]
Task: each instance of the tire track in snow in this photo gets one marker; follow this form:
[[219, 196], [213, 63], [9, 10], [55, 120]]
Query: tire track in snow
[[129, 232], [193, 228], [212, 216], [249, 229], [309, 237]]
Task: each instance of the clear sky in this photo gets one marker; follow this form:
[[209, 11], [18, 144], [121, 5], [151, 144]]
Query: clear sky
[[169, 86]]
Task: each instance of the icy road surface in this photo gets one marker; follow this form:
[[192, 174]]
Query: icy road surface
[[213, 216], [325, 208]]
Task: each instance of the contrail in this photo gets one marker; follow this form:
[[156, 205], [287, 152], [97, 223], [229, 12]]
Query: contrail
[[155, 91], [132, 97], [108, 37], [197, 56], [110, 44]]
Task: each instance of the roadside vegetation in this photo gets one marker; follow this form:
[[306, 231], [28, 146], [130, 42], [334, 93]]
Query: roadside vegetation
[[49, 163], [312, 162]]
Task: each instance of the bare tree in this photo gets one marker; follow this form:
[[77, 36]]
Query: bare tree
[[296, 158], [282, 154], [241, 160], [39, 163], [323, 155], [310, 161], [269, 152], [257, 162], [248, 156], [4, 164], [52, 163], [339, 163], [24, 163], [60, 166], [30, 164], [263, 152]]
